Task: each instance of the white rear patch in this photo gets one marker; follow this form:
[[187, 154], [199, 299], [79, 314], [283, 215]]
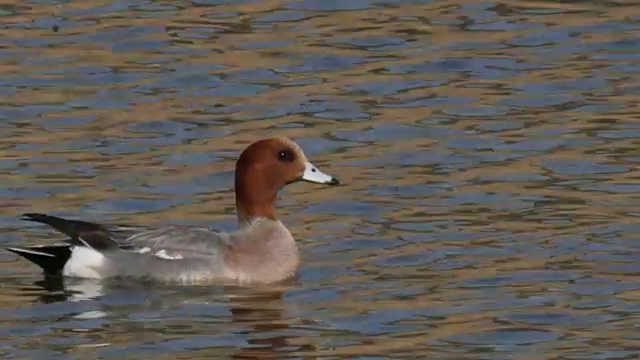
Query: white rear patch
[[164, 255], [85, 263]]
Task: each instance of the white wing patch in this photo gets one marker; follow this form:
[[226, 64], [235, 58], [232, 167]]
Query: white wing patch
[[144, 250], [164, 255]]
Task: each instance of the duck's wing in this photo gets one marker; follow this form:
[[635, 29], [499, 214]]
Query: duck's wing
[[84, 233], [184, 253], [176, 242], [189, 241]]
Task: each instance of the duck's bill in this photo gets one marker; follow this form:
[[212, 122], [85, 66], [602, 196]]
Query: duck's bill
[[312, 174]]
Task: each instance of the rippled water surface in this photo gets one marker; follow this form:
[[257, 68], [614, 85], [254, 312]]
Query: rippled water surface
[[488, 151]]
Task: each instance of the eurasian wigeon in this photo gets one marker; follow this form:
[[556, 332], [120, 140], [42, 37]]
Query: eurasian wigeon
[[262, 250]]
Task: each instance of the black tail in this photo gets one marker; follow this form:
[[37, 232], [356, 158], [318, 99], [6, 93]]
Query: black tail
[[50, 258]]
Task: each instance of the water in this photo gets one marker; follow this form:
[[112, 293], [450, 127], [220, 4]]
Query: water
[[488, 152]]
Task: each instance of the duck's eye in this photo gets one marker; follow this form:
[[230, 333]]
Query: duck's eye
[[286, 155]]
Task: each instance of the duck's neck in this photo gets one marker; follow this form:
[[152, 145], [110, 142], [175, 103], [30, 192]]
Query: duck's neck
[[253, 199], [247, 214]]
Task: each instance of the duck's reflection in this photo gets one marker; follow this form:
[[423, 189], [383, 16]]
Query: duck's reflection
[[57, 289], [264, 317], [267, 319]]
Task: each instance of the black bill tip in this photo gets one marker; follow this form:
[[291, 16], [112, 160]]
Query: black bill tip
[[333, 181]]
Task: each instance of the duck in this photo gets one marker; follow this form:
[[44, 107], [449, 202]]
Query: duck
[[262, 250]]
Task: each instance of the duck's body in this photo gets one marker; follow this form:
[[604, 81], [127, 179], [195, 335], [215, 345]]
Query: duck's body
[[261, 251]]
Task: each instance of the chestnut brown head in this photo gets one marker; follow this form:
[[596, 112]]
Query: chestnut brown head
[[264, 168]]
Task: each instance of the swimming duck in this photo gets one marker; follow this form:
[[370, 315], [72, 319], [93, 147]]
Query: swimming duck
[[262, 250]]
